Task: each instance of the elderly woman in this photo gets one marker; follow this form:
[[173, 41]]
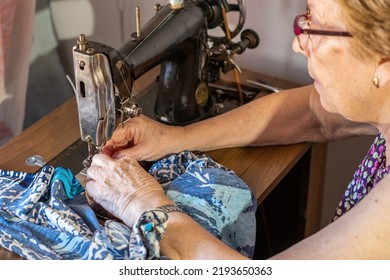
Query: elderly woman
[[347, 45]]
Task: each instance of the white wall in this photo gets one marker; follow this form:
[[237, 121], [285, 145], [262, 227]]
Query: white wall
[[272, 19]]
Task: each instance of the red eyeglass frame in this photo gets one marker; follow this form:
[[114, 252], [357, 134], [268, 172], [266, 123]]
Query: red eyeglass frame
[[299, 30]]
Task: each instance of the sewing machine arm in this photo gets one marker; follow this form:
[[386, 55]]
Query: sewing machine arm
[[175, 38]]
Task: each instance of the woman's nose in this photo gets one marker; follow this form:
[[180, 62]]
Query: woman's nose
[[295, 45], [297, 48]]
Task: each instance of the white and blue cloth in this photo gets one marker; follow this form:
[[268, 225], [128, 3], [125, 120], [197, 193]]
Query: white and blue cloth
[[45, 215]]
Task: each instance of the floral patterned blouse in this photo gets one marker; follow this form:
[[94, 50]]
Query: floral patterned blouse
[[372, 169]]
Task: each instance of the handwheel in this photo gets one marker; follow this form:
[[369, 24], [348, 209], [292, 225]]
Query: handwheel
[[239, 7]]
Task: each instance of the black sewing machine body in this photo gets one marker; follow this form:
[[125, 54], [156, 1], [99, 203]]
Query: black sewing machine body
[[176, 39]]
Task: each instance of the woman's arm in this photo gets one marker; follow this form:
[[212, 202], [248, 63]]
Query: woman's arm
[[286, 117], [185, 239], [362, 233]]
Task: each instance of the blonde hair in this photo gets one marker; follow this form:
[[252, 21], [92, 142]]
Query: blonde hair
[[369, 22]]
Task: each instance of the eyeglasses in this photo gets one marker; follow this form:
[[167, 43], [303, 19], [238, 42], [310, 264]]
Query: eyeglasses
[[302, 30]]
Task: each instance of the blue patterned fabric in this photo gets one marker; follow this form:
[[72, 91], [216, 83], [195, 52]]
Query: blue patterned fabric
[[45, 215], [212, 195]]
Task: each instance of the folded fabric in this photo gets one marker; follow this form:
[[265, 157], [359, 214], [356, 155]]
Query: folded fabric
[[45, 215]]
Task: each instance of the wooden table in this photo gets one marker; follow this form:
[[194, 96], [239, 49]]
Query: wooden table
[[262, 168]]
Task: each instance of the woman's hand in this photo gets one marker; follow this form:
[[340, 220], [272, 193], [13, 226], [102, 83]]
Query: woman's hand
[[143, 139], [123, 187]]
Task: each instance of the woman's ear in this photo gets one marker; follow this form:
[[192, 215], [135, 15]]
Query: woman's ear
[[382, 73]]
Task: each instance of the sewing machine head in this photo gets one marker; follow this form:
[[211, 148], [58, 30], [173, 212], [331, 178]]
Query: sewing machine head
[[177, 39]]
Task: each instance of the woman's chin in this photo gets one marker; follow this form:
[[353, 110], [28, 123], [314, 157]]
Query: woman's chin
[[323, 100], [318, 86]]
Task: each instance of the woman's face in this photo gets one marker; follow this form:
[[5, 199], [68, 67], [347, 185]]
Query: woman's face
[[342, 79]]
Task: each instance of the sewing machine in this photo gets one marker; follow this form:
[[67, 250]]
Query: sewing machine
[[176, 38]]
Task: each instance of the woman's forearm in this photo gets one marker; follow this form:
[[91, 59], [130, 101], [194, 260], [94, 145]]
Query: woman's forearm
[[185, 239], [287, 117], [259, 122]]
